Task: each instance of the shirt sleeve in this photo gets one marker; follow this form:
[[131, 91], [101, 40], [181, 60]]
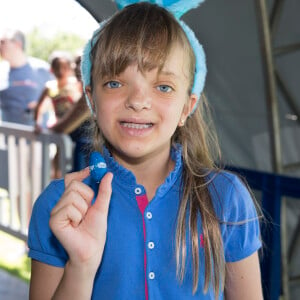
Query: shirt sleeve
[[43, 245], [240, 227]]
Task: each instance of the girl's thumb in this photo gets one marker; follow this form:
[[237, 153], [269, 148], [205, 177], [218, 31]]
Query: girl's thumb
[[103, 198]]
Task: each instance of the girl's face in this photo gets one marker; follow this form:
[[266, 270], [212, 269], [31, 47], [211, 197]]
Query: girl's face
[[61, 69], [139, 112]]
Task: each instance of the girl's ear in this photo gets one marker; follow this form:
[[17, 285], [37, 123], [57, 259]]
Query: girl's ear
[[193, 101], [188, 108], [88, 92]]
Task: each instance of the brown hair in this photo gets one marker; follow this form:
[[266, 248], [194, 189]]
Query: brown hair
[[145, 34]]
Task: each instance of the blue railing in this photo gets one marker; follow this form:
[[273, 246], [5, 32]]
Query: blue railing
[[25, 160], [273, 188]]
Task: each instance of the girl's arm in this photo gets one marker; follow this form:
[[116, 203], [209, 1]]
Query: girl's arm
[[243, 279], [40, 102], [80, 227], [49, 282], [44, 280], [78, 113]]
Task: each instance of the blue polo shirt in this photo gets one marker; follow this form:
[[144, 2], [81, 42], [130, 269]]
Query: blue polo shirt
[[139, 256]]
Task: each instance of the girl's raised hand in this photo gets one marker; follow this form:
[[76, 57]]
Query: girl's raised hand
[[79, 226]]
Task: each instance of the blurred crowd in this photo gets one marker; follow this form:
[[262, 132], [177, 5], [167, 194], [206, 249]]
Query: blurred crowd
[[43, 94]]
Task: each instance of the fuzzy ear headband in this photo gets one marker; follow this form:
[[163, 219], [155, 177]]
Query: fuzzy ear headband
[[177, 8]]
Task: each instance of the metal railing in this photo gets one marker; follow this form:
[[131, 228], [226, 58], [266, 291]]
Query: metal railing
[[25, 164], [274, 190]]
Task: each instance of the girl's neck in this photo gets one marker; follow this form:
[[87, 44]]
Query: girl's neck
[[62, 81], [151, 172]]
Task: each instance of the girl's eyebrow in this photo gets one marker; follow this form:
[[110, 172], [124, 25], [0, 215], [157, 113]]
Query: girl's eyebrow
[[169, 73]]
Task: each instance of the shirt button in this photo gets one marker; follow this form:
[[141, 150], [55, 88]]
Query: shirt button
[[149, 215], [150, 245], [138, 191], [151, 275]]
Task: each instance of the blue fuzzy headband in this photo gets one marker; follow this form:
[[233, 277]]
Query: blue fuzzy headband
[[177, 8]]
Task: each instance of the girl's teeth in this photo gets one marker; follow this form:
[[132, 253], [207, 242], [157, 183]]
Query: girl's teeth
[[136, 126]]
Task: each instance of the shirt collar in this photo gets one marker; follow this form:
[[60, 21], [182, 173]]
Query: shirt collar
[[126, 178]]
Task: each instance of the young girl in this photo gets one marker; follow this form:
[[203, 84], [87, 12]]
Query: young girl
[[164, 222], [64, 91]]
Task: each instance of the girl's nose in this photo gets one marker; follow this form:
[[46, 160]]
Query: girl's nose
[[138, 99]]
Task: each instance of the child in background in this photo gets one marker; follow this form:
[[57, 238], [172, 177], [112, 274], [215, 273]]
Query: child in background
[[164, 223], [76, 123], [64, 92]]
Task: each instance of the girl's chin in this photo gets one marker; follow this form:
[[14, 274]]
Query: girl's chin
[[139, 151], [130, 152]]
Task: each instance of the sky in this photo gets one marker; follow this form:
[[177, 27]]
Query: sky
[[50, 16]]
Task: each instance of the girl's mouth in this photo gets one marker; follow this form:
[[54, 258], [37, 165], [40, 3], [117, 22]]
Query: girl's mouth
[[136, 125]]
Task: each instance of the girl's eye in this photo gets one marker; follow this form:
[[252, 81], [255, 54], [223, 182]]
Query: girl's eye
[[113, 84], [164, 88]]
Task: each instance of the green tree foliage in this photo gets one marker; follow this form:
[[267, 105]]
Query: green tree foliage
[[41, 47]]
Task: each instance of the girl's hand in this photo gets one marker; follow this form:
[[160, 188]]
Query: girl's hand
[[79, 226], [37, 128]]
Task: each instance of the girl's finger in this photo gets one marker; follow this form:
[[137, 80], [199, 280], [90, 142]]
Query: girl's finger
[[78, 176], [74, 198], [104, 194], [65, 216], [75, 192]]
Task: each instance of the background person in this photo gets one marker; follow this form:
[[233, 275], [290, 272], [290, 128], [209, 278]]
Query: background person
[[64, 91], [76, 122], [25, 80]]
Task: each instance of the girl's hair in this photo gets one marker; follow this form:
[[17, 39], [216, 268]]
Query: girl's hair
[[145, 34], [199, 157], [141, 34]]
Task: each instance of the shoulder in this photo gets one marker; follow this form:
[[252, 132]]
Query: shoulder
[[225, 182], [38, 63], [231, 196], [236, 210], [41, 67], [53, 192], [51, 84], [42, 244], [49, 197]]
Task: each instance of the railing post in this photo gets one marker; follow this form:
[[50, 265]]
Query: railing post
[[28, 170]]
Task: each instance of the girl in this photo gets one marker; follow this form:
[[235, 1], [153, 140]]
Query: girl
[[64, 91], [164, 223]]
